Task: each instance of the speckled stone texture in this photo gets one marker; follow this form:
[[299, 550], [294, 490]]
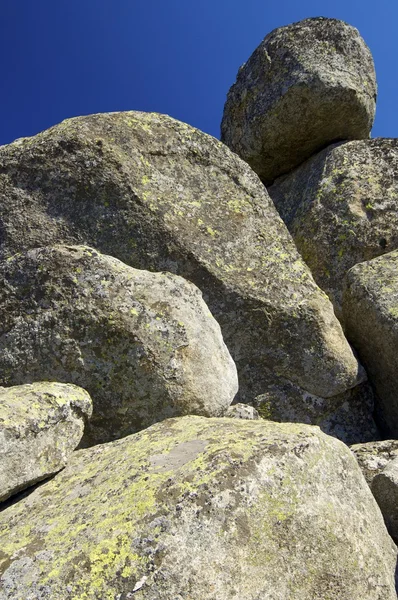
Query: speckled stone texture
[[40, 426], [347, 416], [370, 311], [163, 196], [341, 207], [144, 345], [306, 85], [385, 489], [372, 457], [211, 509]]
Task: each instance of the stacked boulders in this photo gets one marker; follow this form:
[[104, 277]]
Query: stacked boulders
[[300, 113], [157, 319]]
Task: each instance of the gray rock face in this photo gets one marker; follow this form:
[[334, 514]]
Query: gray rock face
[[242, 411], [374, 456], [143, 344], [307, 85], [347, 416], [341, 207], [385, 490], [40, 426], [370, 311], [202, 508], [162, 196]]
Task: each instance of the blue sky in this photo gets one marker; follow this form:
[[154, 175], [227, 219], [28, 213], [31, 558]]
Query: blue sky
[[67, 58]]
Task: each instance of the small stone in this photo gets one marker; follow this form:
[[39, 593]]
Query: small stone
[[242, 411]]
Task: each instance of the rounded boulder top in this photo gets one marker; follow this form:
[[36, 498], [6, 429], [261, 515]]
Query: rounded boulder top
[[306, 85]]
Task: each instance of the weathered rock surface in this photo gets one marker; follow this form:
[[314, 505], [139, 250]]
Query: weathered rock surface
[[370, 312], [306, 85], [40, 426], [385, 490], [202, 508], [242, 411], [144, 345], [161, 195], [341, 207], [347, 416], [374, 456]]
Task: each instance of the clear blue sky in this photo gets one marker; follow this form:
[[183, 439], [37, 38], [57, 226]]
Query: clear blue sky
[[66, 58]]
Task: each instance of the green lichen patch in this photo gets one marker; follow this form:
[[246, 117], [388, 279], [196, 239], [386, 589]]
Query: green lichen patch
[[254, 505]]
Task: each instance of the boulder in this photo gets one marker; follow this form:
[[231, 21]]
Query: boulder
[[341, 207], [163, 196], [144, 345], [202, 508], [370, 312], [40, 426], [307, 85], [372, 457], [385, 490], [347, 416]]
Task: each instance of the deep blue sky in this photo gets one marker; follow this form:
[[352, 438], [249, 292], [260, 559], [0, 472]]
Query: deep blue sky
[[66, 58]]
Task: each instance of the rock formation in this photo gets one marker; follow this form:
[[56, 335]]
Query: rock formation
[[374, 456], [202, 508], [40, 426], [111, 228], [385, 490], [370, 311], [341, 207], [143, 344], [347, 416], [160, 195], [307, 85]]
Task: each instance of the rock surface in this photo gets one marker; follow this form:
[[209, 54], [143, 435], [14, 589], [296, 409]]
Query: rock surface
[[374, 456], [348, 416], [144, 345], [202, 508], [242, 411], [162, 196], [306, 85], [370, 312], [341, 207], [385, 490], [40, 426]]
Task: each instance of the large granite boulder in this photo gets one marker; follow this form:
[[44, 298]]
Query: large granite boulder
[[370, 312], [162, 196], [202, 508], [144, 345], [341, 207], [347, 416], [306, 85], [372, 457], [40, 426]]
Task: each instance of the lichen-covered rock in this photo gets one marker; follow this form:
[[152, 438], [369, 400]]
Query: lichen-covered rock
[[242, 411], [306, 85], [144, 345], [341, 207], [163, 196], [385, 489], [347, 416], [206, 509], [40, 426], [370, 312], [372, 457]]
